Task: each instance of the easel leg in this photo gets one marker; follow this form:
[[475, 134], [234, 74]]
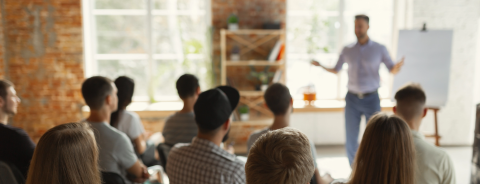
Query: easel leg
[[437, 137]]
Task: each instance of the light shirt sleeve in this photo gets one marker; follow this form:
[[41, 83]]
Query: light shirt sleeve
[[386, 58], [448, 171], [124, 153], [341, 60], [134, 126]]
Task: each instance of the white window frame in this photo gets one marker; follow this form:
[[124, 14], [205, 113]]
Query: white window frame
[[90, 43]]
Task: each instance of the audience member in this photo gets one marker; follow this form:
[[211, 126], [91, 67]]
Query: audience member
[[16, 147], [204, 161], [280, 156], [386, 154], [126, 121], [116, 151], [433, 164], [181, 127], [279, 101], [66, 154], [129, 122]]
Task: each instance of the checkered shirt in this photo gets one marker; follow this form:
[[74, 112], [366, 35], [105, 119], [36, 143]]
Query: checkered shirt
[[203, 162]]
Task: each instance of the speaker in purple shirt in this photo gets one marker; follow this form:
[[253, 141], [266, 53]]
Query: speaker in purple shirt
[[364, 59]]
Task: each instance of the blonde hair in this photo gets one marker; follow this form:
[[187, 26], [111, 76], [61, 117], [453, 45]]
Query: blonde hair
[[66, 153], [280, 156], [386, 154]]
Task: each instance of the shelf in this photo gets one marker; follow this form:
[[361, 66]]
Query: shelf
[[256, 31], [251, 93], [253, 63]]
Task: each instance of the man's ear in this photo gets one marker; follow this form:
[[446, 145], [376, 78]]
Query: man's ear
[[226, 125], [395, 110], [198, 90], [425, 110], [2, 103], [108, 99], [291, 101]]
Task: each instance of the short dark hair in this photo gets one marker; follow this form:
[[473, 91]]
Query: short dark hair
[[95, 90], [278, 98], [187, 85], [4, 85], [364, 17], [411, 100]]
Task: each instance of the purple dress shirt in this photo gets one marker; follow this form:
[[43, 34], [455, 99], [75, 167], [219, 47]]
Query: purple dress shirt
[[363, 65]]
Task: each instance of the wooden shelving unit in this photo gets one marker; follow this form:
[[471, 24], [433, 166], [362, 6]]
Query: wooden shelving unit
[[257, 43]]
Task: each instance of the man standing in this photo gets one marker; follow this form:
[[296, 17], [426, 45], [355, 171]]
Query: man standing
[[16, 147], [363, 59]]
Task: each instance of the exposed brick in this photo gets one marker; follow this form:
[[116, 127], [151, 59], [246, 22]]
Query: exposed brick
[[45, 49]]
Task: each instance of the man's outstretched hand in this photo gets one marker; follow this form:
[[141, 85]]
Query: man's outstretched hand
[[396, 68], [316, 63]]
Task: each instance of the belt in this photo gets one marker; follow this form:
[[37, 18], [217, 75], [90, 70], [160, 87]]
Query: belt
[[362, 95]]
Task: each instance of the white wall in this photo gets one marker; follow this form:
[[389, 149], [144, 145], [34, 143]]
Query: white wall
[[456, 119]]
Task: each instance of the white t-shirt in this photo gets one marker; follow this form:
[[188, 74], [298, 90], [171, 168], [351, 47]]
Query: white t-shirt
[[130, 124]]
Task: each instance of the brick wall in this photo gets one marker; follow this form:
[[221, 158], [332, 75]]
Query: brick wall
[[2, 44], [45, 61]]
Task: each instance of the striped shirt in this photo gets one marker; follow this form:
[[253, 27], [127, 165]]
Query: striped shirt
[[204, 162], [180, 128]]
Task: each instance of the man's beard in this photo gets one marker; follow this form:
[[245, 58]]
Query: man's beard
[[225, 138], [7, 111]]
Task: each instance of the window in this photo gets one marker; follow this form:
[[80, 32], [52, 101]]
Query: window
[[320, 29], [152, 41]]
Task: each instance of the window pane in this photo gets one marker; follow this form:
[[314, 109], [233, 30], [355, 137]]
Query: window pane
[[135, 69], [120, 34], [303, 73], [168, 71], [160, 4], [190, 4], [123, 4], [163, 36], [328, 5]]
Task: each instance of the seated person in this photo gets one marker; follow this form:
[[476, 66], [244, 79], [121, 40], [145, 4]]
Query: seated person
[[66, 153], [116, 153], [181, 126], [433, 164], [203, 160], [16, 147], [129, 122], [386, 154], [279, 101], [280, 156]]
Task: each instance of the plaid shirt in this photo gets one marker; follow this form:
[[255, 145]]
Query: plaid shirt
[[203, 162]]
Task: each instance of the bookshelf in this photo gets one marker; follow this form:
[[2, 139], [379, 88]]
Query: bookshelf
[[255, 52]]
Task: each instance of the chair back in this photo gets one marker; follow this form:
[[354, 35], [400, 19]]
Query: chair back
[[112, 178], [6, 174], [163, 150]]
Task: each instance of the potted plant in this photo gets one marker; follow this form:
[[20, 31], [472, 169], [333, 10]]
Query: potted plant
[[235, 54], [244, 112], [263, 77], [232, 22]]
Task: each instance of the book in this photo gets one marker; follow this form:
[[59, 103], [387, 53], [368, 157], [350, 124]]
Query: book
[[278, 75], [276, 49], [281, 53]]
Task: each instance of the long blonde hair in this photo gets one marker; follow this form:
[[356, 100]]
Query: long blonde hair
[[65, 154], [386, 154]]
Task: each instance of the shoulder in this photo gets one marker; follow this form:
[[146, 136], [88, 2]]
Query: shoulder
[[255, 135], [425, 149], [108, 132], [378, 45], [130, 115], [14, 133]]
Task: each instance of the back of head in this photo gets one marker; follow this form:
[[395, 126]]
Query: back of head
[[4, 85], [278, 98], [125, 86], [95, 90], [410, 101], [66, 154], [280, 156], [386, 153], [187, 86]]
